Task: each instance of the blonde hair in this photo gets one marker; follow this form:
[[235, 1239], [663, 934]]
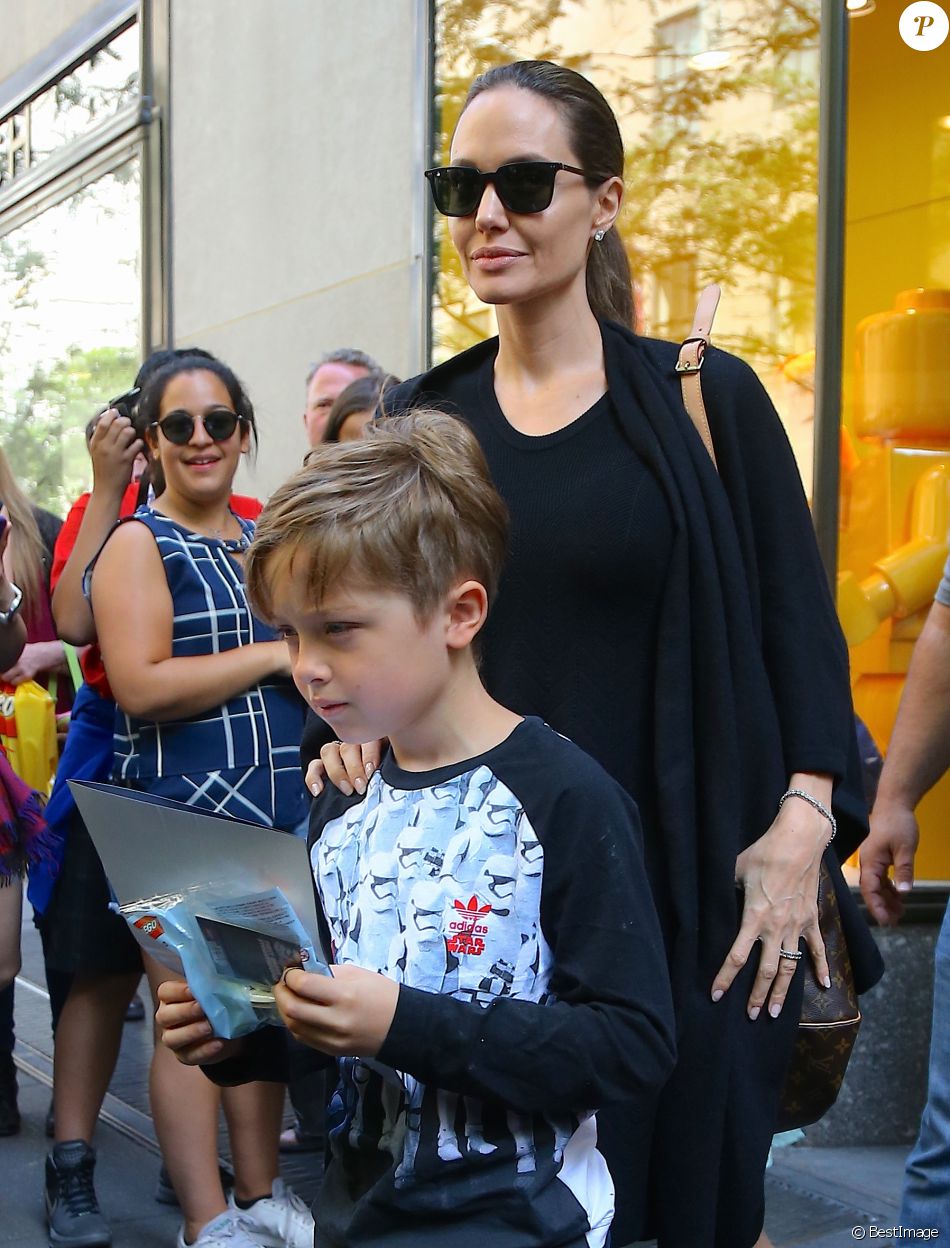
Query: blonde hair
[[410, 508], [26, 545]]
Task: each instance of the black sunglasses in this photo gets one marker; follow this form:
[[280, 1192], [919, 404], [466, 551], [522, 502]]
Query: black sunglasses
[[524, 186], [179, 427]]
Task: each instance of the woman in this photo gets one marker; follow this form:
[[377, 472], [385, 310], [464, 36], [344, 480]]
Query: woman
[[353, 407], [82, 938], [12, 628], [12, 856], [29, 557], [208, 716], [29, 537], [675, 624]]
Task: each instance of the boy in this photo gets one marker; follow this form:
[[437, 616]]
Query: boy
[[499, 971]]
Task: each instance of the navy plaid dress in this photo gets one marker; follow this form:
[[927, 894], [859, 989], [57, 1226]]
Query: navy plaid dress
[[241, 758]]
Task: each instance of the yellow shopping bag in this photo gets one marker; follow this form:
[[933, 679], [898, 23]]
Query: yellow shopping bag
[[28, 733]]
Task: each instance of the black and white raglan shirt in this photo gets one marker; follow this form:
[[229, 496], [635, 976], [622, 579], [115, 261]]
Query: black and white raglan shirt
[[507, 896]]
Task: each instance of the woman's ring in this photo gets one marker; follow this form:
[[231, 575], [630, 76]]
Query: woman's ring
[[792, 957]]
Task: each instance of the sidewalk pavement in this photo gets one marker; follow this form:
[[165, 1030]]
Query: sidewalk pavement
[[815, 1197], [819, 1197]]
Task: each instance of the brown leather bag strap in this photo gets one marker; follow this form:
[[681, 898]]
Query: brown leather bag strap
[[691, 361]]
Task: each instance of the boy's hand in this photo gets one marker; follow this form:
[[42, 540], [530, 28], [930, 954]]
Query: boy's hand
[[346, 1015], [185, 1029]]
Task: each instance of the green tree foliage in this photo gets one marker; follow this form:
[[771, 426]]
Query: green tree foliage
[[43, 414], [716, 200], [44, 438], [20, 265]]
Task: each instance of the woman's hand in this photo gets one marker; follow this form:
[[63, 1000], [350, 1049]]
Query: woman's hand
[[113, 448], [346, 1014], [185, 1029], [349, 767], [35, 658], [779, 874]]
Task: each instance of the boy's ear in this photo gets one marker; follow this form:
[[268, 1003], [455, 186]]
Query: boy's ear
[[467, 610]]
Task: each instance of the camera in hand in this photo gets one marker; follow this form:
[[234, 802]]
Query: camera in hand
[[124, 404]]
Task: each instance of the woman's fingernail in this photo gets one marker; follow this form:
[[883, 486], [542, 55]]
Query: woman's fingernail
[[360, 785], [717, 994], [754, 1013], [827, 981], [370, 768], [775, 1009], [346, 789], [316, 788]]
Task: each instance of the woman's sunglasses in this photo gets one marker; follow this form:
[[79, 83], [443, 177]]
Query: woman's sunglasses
[[524, 186], [179, 427]]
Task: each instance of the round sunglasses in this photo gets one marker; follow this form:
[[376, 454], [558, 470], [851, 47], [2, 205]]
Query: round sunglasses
[[524, 186], [179, 427]]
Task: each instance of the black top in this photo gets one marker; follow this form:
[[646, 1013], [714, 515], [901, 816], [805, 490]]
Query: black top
[[531, 994], [582, 505], [747, 682]]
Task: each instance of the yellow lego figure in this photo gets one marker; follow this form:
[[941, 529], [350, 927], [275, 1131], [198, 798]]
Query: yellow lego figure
[[895, 517]]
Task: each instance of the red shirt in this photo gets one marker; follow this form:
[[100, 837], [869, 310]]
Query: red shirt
[[91, 660]]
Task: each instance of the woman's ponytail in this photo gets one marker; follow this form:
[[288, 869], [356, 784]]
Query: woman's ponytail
[[609, 283]]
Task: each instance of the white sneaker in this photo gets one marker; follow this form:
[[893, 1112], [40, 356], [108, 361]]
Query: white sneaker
[[227, 1230], [281, 1220]]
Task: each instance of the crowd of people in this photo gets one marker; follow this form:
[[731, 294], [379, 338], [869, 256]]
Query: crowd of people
[[574, 738]]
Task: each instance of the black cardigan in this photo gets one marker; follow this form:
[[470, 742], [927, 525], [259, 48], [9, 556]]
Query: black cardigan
[[752, 684]]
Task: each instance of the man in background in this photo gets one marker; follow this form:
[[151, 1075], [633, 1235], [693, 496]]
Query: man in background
[[332, 373], [918, 755]]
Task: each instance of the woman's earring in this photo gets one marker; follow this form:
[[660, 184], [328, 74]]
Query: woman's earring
[[599, 236]]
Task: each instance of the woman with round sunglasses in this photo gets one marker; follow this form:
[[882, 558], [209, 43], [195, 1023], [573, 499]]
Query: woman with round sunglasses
[[674, 623], [207, 716], [84, 943]]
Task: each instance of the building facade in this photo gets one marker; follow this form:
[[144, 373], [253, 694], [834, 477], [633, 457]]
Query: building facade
[[248, 178]]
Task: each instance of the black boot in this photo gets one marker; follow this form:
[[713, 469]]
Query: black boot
[[9, 1113], [75, 1220]]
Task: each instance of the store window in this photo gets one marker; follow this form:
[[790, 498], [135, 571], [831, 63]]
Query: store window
[[894, 510], [677, 40], [718, 105], [73, 157], [105, 82], [70, 279]]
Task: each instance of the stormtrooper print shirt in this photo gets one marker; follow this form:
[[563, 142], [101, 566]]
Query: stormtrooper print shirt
[[507, 896]]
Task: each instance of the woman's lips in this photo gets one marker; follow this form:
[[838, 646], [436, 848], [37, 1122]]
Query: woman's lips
[[495, 259]]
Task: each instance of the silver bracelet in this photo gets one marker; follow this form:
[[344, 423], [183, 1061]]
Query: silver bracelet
[[812, 801], [7, 614]]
